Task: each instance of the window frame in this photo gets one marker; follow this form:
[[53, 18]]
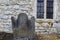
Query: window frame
[[45, 9], [40, 8]]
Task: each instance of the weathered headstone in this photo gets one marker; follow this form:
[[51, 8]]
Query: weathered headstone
[[31, 27], [22, 20], [22, 24], [15, 27], [14, 22], [25, 27]]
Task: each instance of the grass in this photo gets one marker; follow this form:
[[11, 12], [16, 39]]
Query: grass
[[47, 37]]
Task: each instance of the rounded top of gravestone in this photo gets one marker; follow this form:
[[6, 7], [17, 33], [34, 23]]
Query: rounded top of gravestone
[[22, 19], [22, 14]]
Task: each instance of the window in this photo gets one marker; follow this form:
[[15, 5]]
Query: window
[[49, 9], [49, 12], [40, 9]]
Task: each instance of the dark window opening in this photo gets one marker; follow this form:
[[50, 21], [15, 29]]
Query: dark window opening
[[40, 8], [49, 14]]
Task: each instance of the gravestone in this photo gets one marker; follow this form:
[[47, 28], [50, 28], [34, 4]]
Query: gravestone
[[22, 24], [23, 27], [14, 22], [31, 26]]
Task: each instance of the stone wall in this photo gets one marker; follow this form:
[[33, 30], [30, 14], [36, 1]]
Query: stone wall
[[42, 25], [10, 8], [58, 9], [57, 25]]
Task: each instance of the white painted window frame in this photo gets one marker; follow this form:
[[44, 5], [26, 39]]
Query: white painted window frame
[[45, 3]]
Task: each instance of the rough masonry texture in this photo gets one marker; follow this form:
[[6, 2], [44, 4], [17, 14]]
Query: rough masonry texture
[[10, 8]]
